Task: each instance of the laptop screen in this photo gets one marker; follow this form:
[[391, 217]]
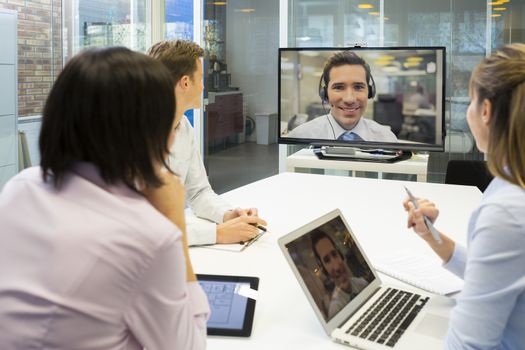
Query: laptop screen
[[331, 266]]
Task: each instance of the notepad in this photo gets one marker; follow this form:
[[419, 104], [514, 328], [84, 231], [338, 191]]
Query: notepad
[[420, 270], [235, 247]]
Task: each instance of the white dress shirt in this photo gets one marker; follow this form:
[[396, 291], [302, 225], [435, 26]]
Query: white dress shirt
[[92, 266], [327, 128], [340, 298], [208, 207]]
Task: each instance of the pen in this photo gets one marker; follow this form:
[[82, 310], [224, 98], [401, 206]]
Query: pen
[[262, 228], [251, 241], [429, 224]]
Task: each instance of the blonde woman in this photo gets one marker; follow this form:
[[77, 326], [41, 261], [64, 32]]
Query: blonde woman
[[490, 311]]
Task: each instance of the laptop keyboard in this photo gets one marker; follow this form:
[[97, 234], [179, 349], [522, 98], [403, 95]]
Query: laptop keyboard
[[388, 317]]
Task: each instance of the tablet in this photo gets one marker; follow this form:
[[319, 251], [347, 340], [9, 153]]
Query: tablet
[[231, 310]]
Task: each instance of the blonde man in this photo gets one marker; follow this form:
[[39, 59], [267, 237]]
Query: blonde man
[[214, 220]]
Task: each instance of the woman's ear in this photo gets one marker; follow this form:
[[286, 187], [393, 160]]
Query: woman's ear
[[486, 112]]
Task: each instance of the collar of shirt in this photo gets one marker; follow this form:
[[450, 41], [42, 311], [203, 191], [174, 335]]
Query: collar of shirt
[[360, 128], [91, 173]]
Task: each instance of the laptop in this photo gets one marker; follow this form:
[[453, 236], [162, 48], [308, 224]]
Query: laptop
[[353, 305]]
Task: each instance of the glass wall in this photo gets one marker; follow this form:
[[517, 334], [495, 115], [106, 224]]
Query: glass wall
[[469, 29], [178, 24], [90, 23], [241, 38], [334, 23], [179, 19]]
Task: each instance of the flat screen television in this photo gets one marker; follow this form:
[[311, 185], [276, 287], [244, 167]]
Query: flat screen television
[[376, 99]]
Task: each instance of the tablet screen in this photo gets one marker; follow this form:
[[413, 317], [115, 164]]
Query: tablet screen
[[231, 310]]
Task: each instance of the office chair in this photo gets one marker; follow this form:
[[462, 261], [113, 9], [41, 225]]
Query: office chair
[[468, 172], [388, 111]]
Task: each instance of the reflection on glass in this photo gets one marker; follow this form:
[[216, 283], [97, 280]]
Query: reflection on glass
[[106, 23]]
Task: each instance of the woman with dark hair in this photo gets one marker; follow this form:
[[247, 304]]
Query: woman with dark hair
[[93, 251], [490, 311]]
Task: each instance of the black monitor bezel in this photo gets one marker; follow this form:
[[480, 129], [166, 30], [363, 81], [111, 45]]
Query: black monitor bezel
[[367, 144]]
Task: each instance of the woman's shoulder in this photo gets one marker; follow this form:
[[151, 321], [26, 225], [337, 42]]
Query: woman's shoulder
[[503, 193], [503, 202]]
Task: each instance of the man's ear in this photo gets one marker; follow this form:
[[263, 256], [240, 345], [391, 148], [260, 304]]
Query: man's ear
[[184, 82], [486, 112]]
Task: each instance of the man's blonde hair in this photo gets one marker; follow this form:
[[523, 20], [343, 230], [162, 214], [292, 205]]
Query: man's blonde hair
[[179, 56], [500, 78]]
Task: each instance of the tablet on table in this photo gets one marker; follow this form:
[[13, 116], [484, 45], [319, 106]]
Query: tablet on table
[[232, 308]]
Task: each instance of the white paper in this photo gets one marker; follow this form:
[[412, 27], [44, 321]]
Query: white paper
[[246, 291], [235, 247], [420, 270]]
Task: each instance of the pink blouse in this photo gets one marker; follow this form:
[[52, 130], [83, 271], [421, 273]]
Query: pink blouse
[[92, 266]]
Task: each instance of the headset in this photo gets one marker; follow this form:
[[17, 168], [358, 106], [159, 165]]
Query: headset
[[323, 89]]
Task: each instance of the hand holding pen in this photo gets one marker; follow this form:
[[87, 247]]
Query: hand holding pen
[[262, 231], [414, 219], [241, 228]]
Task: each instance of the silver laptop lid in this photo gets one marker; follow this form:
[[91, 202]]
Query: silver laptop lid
[[331, 268]]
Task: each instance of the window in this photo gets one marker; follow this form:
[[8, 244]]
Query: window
[[92, 23]]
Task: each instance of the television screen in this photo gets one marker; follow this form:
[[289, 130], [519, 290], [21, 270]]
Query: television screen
[[365, 97]]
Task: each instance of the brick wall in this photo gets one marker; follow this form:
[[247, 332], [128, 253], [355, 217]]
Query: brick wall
[[39, 50]]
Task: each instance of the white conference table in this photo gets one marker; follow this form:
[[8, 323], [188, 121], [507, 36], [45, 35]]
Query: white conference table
[[283, 317]]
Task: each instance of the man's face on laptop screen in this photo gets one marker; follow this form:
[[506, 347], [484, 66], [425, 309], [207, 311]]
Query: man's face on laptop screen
[[332, 261]]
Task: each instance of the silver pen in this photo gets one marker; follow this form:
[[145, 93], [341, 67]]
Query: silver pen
[[429, 224]]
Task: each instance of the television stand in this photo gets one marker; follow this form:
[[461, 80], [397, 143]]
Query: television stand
[[306, 159], [363, 155]]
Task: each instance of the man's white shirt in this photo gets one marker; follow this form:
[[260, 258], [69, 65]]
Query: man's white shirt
[[327, 128], [207, 208]]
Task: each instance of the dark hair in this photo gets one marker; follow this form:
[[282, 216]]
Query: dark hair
[[114, 108], [342, 58], [318, 235], [500, 78], [179, 56]]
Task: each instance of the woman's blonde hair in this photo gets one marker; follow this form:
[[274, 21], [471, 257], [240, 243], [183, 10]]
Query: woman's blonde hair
[[500, 78]]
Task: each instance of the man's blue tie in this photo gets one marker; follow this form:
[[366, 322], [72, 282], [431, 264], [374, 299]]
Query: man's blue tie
[[350, 136]]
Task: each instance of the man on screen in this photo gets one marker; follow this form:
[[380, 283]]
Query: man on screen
[[334, 265], [346, 84]]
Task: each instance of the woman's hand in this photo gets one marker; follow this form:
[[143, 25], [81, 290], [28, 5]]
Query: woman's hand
[[417, 222], [169, 199], [415, 218]]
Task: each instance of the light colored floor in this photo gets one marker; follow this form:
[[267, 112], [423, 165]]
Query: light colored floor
[[241, 164]]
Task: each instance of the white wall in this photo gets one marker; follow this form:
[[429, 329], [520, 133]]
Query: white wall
[[252, 42]]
